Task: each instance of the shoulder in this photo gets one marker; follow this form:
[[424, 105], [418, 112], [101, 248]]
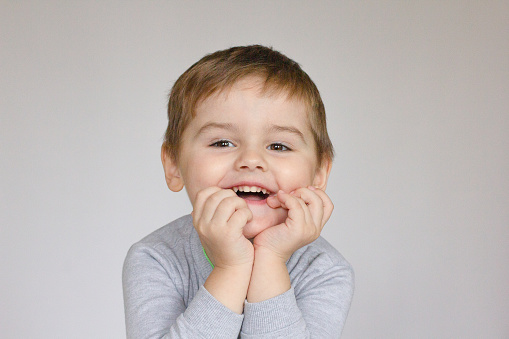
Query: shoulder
[[170, 241], [170, 235]]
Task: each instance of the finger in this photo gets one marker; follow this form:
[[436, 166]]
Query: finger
[[328, 206], [227, 207], [314, 205], [305, 208], [200, 199], [240, 218], [294, 207], [308, 217], [273, 202], [213, 201]]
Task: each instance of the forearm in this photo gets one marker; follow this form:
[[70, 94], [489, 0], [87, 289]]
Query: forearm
[[229, 286], [155, 307], [271, 310], [269, 277]]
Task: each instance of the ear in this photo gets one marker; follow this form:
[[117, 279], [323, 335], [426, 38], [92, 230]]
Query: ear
[[171, 172], [322, 174]]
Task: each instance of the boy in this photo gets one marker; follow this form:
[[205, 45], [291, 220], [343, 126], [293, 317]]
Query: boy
[[247, 139]]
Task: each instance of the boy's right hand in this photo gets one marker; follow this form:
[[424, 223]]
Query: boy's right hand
[[219, 217]]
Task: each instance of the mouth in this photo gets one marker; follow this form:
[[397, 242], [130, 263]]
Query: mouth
[[253, 193]]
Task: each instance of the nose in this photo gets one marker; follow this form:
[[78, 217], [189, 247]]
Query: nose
[[250, 159]]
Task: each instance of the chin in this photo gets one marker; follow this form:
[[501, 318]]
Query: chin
[[259, 224], [253, 228]]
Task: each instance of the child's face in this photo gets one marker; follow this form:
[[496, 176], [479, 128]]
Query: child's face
[[242, 138]]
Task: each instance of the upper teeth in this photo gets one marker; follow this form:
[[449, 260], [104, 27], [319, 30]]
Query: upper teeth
[[249, 189]]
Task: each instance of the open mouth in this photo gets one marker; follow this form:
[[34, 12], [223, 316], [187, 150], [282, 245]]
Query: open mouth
[[251, 192]]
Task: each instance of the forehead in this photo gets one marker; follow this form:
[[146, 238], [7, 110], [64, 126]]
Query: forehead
[[252, 94]]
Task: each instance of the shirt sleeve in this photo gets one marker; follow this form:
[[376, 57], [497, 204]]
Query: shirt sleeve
[[316, 307], [154, 307]]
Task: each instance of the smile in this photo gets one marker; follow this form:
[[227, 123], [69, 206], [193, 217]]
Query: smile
[[251, 192]]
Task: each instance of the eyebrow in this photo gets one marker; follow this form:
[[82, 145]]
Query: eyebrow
[[288, 129], [272, 129], [217, 125]]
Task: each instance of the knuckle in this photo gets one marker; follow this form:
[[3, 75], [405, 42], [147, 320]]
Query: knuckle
[[215, 198], [300, 191], [245, 212], [199, 227], [200, 195], [293, 200], [231, 200]]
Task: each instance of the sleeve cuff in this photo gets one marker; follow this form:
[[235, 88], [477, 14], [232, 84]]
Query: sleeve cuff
[[276, 315], [208, 315]]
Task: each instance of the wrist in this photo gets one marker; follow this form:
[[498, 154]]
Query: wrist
[[229, 260], [269, 278], [265, 254], [229, 285], [234, 270]]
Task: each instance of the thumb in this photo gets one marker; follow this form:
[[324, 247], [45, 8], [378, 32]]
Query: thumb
[[273, 201], [278, 200]]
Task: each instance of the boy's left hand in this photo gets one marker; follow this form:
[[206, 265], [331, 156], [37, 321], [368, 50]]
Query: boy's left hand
[[308, 211]]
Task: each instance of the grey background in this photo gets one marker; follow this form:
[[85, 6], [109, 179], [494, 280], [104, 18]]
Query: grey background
[[417, 95]]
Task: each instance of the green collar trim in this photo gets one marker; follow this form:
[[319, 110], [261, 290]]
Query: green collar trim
[[206, 256]]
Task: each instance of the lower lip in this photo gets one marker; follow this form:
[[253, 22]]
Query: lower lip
[[256, 201]]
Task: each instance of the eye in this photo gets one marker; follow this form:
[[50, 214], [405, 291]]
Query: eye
[[222, 143], [278, 147]]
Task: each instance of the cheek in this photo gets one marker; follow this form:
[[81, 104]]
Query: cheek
[[295, 176], [201, 172]]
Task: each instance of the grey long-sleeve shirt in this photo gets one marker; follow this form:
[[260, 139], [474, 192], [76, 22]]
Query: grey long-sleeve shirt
[[164, 296]]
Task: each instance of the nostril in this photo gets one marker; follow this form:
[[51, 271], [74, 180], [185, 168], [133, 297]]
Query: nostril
[[250, 159]]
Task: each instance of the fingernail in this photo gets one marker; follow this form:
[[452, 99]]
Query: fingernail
[[313, 188]]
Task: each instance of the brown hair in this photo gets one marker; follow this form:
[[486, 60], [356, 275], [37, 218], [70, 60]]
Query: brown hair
[[220, 70]]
